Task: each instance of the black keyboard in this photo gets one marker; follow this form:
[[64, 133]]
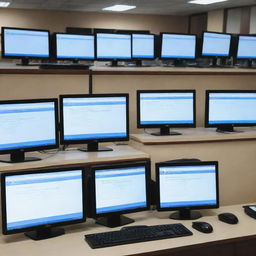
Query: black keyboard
[[135, 234]]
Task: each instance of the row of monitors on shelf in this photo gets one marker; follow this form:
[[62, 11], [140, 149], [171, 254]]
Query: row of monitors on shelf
[[28, 125], [28, 43], [38, 200]]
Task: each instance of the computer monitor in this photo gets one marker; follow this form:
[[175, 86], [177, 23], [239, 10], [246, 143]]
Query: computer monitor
[[228, 108], [25, 43], [93, 118], [143, 47], [216, 45], [166, 108], [185, 187], [177, 46], [113, 47], [28, 125], [74, 47], [118, 189], [38, 200]]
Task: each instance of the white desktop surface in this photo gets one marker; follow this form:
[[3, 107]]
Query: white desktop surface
[[72, 243]]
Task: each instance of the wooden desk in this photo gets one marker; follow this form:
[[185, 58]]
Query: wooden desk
[[226, 240], [73, 157], [234, 152]]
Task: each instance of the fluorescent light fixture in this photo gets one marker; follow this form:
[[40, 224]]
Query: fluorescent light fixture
[[4, 4], [205, 2], [119, 8]]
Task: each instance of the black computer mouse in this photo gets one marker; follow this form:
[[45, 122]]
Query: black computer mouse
[[202, 226], [228, 217]]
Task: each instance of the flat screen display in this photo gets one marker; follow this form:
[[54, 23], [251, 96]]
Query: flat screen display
[[143, 46], [246, 47], [70, 46], [178, 46], [25, 43]]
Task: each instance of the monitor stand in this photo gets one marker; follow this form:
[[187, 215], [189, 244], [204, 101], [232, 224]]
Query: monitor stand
[[225, 128], [44, 233], [165, 131], [18, 157], [114, 220], [94, 147], [185, 214]]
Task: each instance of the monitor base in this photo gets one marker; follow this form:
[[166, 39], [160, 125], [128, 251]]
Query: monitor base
[[185, 215], [225, 128], [44, 233], [165, 131], [94, 147], [114, 221], [19, 157]]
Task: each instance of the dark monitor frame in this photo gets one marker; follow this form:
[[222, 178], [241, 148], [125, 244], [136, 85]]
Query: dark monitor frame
[[22, 150], [139, 125], [215, 56], [175, 58], [44, 229], [71, 59], [67, 142], [154, 50], [224, 126], [24, 58], [186, 209], [114, 222], [237, 44], [111, 59]]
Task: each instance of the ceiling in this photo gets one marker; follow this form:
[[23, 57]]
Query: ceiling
[[162, 7]]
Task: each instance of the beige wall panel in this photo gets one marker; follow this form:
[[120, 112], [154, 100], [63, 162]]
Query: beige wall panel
[[215, 20], [131, 83], [41, 86]]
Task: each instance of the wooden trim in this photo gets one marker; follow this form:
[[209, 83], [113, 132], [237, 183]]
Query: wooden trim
[[44, 71]]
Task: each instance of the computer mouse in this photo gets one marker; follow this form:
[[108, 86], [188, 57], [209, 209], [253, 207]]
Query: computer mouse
[[202, 226], [228, 217]]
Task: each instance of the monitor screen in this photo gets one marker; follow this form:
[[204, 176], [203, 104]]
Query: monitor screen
[[178, 46], [31, 199], [28, 124], [143, 46], [82, 46], [113, 46], [230, 107], [18, 42], [160, 108], [216, 44], [246, 47], [101, 117]]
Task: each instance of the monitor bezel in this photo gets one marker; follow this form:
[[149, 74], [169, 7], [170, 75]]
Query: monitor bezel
[[25, 56], [154, 45], [161, 164], [139, 125], [110, 59], [175, 58], [215, 56], [36, 148], [238, 38], [72, 58], [39, 171], [116, 166], [63, 141], [207, 99]]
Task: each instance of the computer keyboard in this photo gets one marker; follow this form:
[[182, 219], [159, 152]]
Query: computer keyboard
[[135, 234]]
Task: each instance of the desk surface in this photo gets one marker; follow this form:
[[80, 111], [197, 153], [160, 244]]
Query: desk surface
[[199, 134], [72, 243], [74, 157]]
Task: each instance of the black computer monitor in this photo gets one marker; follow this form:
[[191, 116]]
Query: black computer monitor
[[177, 47], [228, 108], [25, 43], [246, 48], [74, 47], [38, 200], [166, 108], [93, 118], [118, 189], [185, 187], [28, 125], [113, 47], [216, 45], [143, 47]]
